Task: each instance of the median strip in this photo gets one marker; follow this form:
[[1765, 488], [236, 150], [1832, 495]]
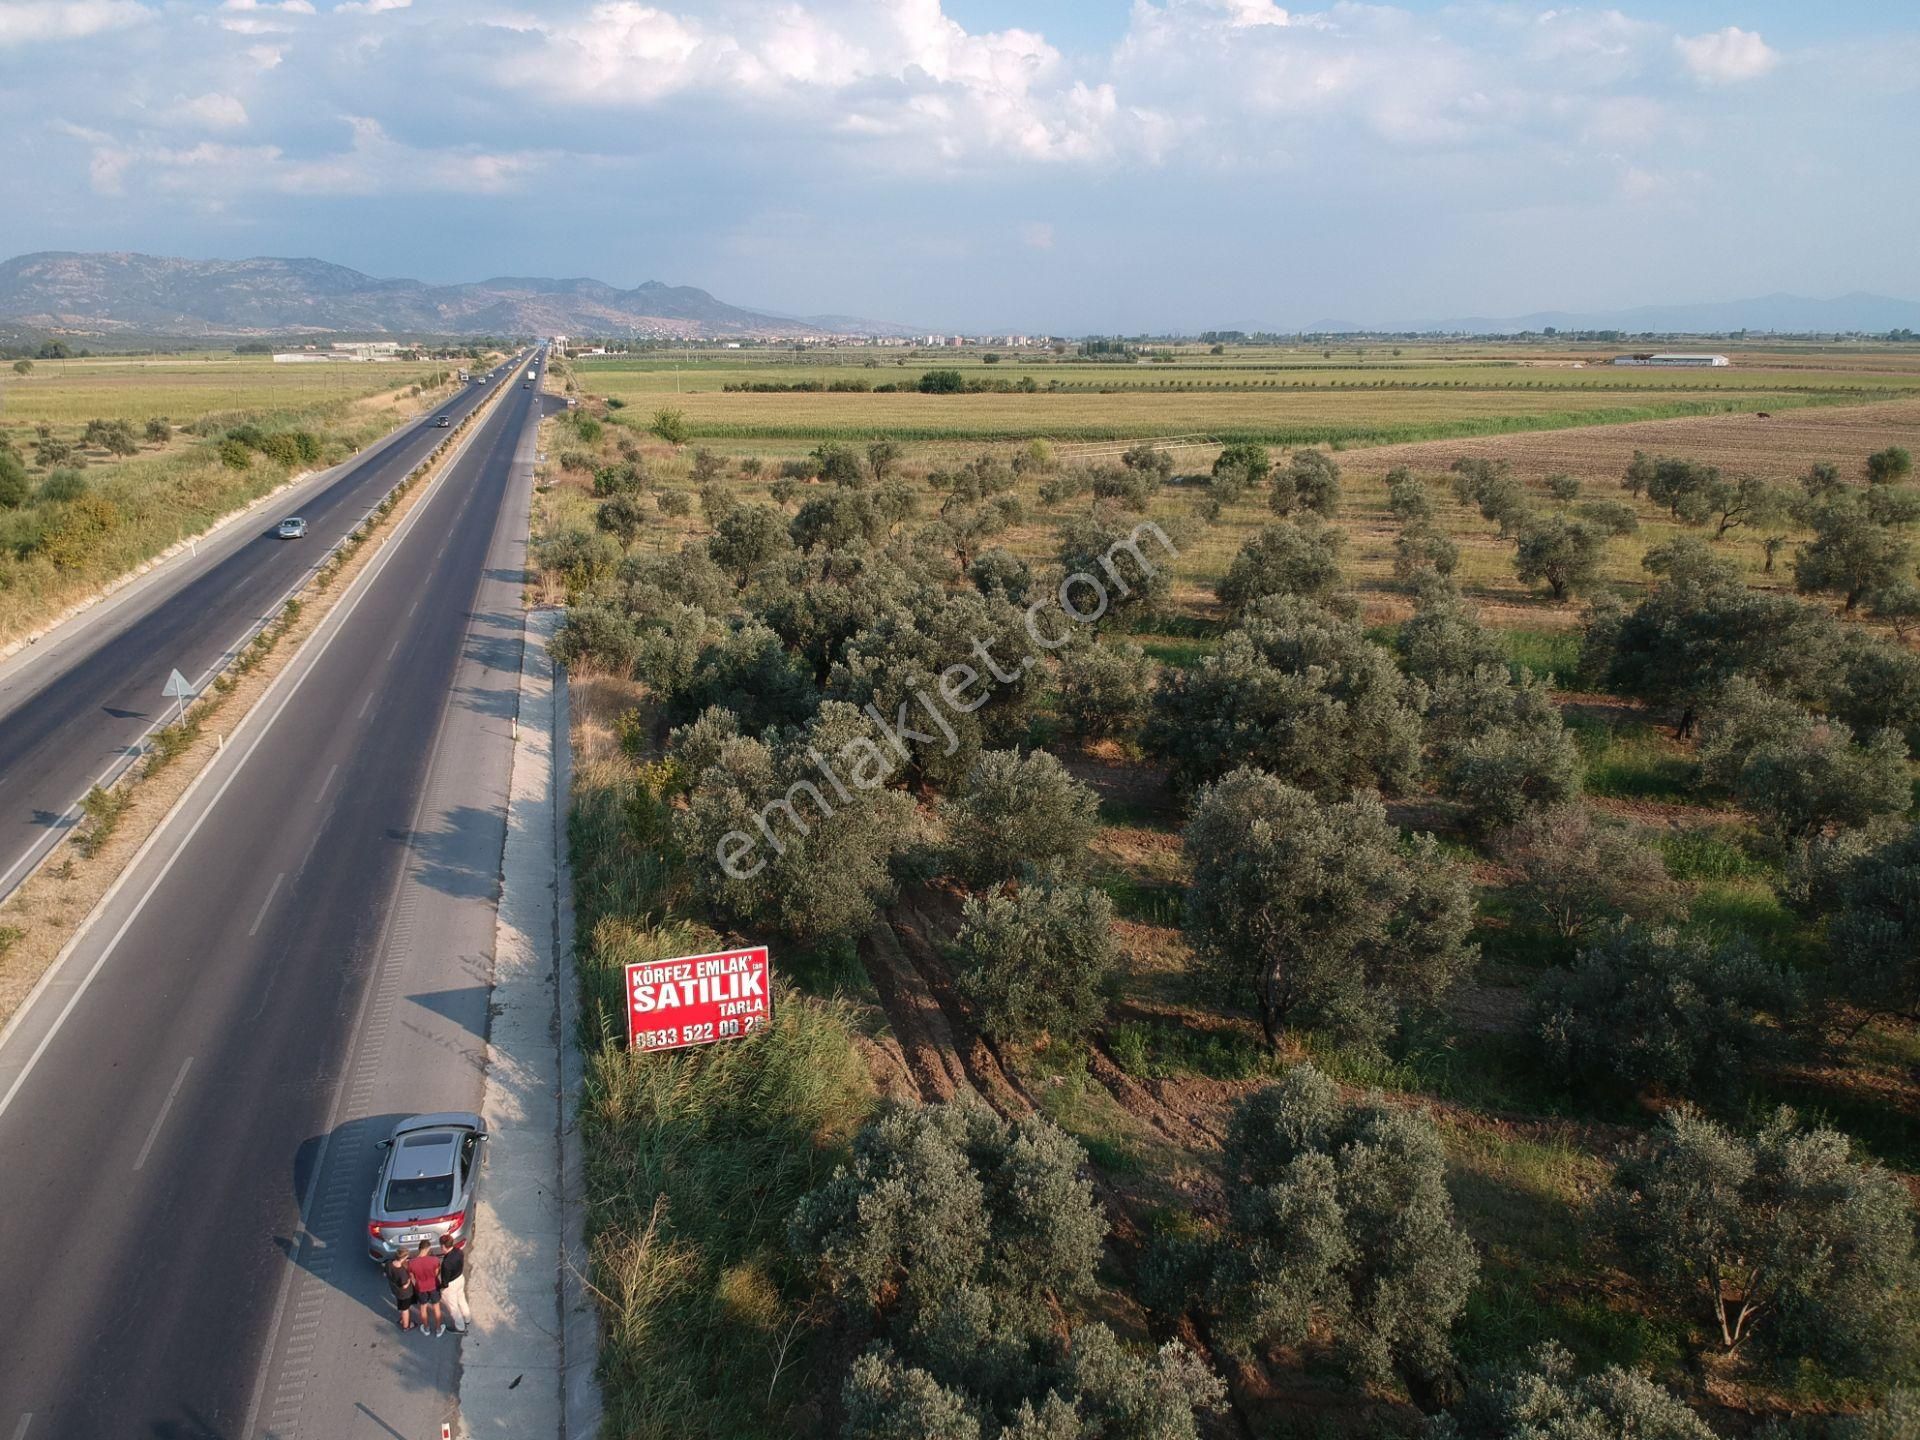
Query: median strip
[[46, 910]]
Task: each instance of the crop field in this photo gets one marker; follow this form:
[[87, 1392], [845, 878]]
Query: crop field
[[1273, 397], [182, 388], [86, 507]]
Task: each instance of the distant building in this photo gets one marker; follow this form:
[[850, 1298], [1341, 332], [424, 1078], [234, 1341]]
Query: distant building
[[1674, 359], [364, 350]]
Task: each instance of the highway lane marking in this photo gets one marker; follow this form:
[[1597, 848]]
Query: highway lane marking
[[272, 891], [411, 608], [29, 861], [161, 1118], [359, 1054], [20, 1430], [294, 677], [365, 703], [391, 648], [322, 792]]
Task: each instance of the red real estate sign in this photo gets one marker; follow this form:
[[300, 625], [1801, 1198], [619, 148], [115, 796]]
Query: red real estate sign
[[697, 999]]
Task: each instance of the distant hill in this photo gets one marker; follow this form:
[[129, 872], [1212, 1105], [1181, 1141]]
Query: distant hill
[[122, 292], [1783, 314]]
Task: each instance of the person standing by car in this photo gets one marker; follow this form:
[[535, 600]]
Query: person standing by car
[[453, 1288], [400, 1282], [425, 1267]]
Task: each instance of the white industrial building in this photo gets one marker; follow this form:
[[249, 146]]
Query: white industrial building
[[1677, 360]]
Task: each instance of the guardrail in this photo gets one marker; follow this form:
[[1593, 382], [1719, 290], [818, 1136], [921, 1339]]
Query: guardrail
[[253, 646]]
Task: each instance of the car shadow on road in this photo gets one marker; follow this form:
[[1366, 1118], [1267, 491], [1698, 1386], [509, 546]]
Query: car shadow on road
[[331, 1256], [333, 1246]]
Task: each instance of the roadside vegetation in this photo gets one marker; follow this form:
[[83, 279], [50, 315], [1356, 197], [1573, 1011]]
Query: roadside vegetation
[[105, 464], [1431, 953]]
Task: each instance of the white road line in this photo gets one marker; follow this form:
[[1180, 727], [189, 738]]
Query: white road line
[[294, 676], [411, 608], [20, 1430], [318, 797], [272, 890], [365, 703], [161, 1119], [393, 647]]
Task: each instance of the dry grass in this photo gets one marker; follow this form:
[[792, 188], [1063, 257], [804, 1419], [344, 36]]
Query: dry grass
[[50, 906]]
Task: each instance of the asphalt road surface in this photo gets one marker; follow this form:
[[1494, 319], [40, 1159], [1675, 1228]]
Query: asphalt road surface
[[189, 1113], [71, 708]]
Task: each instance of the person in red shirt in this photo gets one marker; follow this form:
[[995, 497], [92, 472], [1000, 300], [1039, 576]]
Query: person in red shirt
[[425, 1267]]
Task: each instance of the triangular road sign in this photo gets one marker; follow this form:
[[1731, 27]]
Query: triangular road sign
[[177, 687]]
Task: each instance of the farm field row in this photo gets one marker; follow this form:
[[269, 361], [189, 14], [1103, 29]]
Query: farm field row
[[184, 387]]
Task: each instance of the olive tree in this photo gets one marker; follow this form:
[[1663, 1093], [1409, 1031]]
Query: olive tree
[[1017, 812], [1283, 560], [1114, 572], [1105, 689], [1571, 871], [747, 539], [1311, 481], [1095, 1386], [1518, 757], [1035, 961], [945, 672], [1654, 1007], [938, 1203], [1873, 936], [1407, 498], [1858, 546], [1698, 629], [1563, 553], [1295, 690], [1781, 1240], [1812, 783], [1339, 1221], [1238, 468], [772, 844], [1319, 913], [1545, 1397], [1889, 466]]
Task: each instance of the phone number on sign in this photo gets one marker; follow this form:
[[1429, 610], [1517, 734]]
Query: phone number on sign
[[698, 1034]]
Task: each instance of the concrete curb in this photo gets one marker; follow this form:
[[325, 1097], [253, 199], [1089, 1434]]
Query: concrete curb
[[520, 1377]]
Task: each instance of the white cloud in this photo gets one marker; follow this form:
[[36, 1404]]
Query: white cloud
[[370, 7], [373, 163], [1037, 235], [1727, 56], [22, 21], [263, 17], [211, 111]]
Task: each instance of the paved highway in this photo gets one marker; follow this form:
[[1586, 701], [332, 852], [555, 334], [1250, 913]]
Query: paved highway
[[188, 1113], [72, 707]]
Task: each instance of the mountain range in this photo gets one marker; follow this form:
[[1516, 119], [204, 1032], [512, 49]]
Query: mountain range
[[125, 293], [1780, 313]]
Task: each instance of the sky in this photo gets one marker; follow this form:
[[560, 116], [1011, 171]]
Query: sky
[[1096, 166]]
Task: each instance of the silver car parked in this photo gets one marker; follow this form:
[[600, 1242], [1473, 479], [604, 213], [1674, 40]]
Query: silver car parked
[[425, 1187]]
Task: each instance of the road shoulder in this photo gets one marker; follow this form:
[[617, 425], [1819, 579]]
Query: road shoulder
[[527, 1366]]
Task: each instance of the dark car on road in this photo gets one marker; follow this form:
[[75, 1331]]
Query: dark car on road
[[424, 1190]]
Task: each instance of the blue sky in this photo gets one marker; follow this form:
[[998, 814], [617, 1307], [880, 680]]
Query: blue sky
[[1163, 164]]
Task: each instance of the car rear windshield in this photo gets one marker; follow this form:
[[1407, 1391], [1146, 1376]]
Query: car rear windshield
[[428, 1192]]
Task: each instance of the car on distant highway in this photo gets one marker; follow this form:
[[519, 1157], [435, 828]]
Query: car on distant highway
[[443, 422], [429, 1168], [292, 528]]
